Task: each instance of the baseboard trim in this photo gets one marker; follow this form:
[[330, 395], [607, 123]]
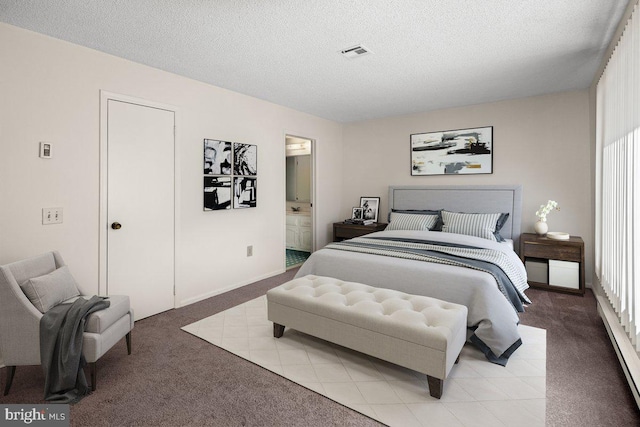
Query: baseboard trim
[[628, 357], [213, 293]]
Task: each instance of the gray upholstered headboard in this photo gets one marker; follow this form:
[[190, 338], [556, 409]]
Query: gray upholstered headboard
[[471, 199]]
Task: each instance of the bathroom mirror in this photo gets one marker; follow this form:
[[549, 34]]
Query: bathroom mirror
[[299, 178]]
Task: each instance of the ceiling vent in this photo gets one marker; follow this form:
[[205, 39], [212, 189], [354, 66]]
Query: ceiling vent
[[355, 51]]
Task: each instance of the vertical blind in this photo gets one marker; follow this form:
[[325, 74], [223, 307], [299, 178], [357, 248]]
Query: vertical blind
[[617, 179]]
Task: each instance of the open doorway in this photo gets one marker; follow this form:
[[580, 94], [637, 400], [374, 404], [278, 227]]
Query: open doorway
[[299, 200]]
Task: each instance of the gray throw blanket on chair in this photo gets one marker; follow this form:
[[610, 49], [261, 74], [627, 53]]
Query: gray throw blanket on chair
[[61, 330]]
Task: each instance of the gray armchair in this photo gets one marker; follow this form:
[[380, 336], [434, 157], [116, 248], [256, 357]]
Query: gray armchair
[[20, 319]]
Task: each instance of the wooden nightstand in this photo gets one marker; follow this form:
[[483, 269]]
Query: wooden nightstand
[[342, 231], [544, 250]]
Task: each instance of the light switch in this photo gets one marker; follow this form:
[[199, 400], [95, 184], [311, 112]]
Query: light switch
[[51, 216], [57, 215]]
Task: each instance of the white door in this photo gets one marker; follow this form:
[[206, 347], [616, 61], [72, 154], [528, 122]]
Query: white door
[[140, 206]]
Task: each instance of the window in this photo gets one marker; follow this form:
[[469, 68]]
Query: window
[[618, 180]]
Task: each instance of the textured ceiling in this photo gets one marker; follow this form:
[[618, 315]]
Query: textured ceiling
[[427, 54]]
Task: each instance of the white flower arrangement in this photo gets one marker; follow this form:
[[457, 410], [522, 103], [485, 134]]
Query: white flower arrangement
[[545, 209]]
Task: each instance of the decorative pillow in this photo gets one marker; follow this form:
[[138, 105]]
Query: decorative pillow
[[51, 289], [480, 225], [438, 225], [403, 221], [499, 224]]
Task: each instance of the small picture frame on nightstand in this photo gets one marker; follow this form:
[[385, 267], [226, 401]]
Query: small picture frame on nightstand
[[357, 213], [370, 207]]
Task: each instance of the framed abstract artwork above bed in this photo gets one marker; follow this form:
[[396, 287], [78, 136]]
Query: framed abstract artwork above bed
[[452, 152]]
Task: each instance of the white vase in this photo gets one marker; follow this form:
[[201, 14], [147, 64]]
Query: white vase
[[541, 227]]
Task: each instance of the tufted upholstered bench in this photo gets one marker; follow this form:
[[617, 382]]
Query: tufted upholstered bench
[[417, 332]]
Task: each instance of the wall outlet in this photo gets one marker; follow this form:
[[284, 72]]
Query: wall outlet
[[250, 250], [51, 216]]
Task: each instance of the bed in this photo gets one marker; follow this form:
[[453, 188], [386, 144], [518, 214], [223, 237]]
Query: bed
[[439, 264]]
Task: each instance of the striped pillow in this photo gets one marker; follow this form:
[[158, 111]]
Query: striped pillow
[[437, 227], [480, 225], [403, 221]]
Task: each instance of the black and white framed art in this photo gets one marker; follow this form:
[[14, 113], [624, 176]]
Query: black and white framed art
[[217, 193], [244, 192], [356, 213], [462, 151], [370, 207], [230, 170], [245, 159], [217, 157]]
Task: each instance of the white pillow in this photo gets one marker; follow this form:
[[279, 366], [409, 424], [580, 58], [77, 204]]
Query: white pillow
[[480, 225], [404, 221], [51, 289]]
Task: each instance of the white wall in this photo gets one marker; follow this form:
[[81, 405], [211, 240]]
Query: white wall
[[540, 142], [50, 91]]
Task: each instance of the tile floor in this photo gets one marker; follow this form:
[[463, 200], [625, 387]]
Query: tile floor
[[477, 393], [296, 257]]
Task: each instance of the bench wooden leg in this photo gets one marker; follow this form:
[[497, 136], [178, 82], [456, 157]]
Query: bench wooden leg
[[435, 386], [278, 330], [11, 371]]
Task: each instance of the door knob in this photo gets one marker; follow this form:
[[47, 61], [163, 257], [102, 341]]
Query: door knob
[[116, 226]]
